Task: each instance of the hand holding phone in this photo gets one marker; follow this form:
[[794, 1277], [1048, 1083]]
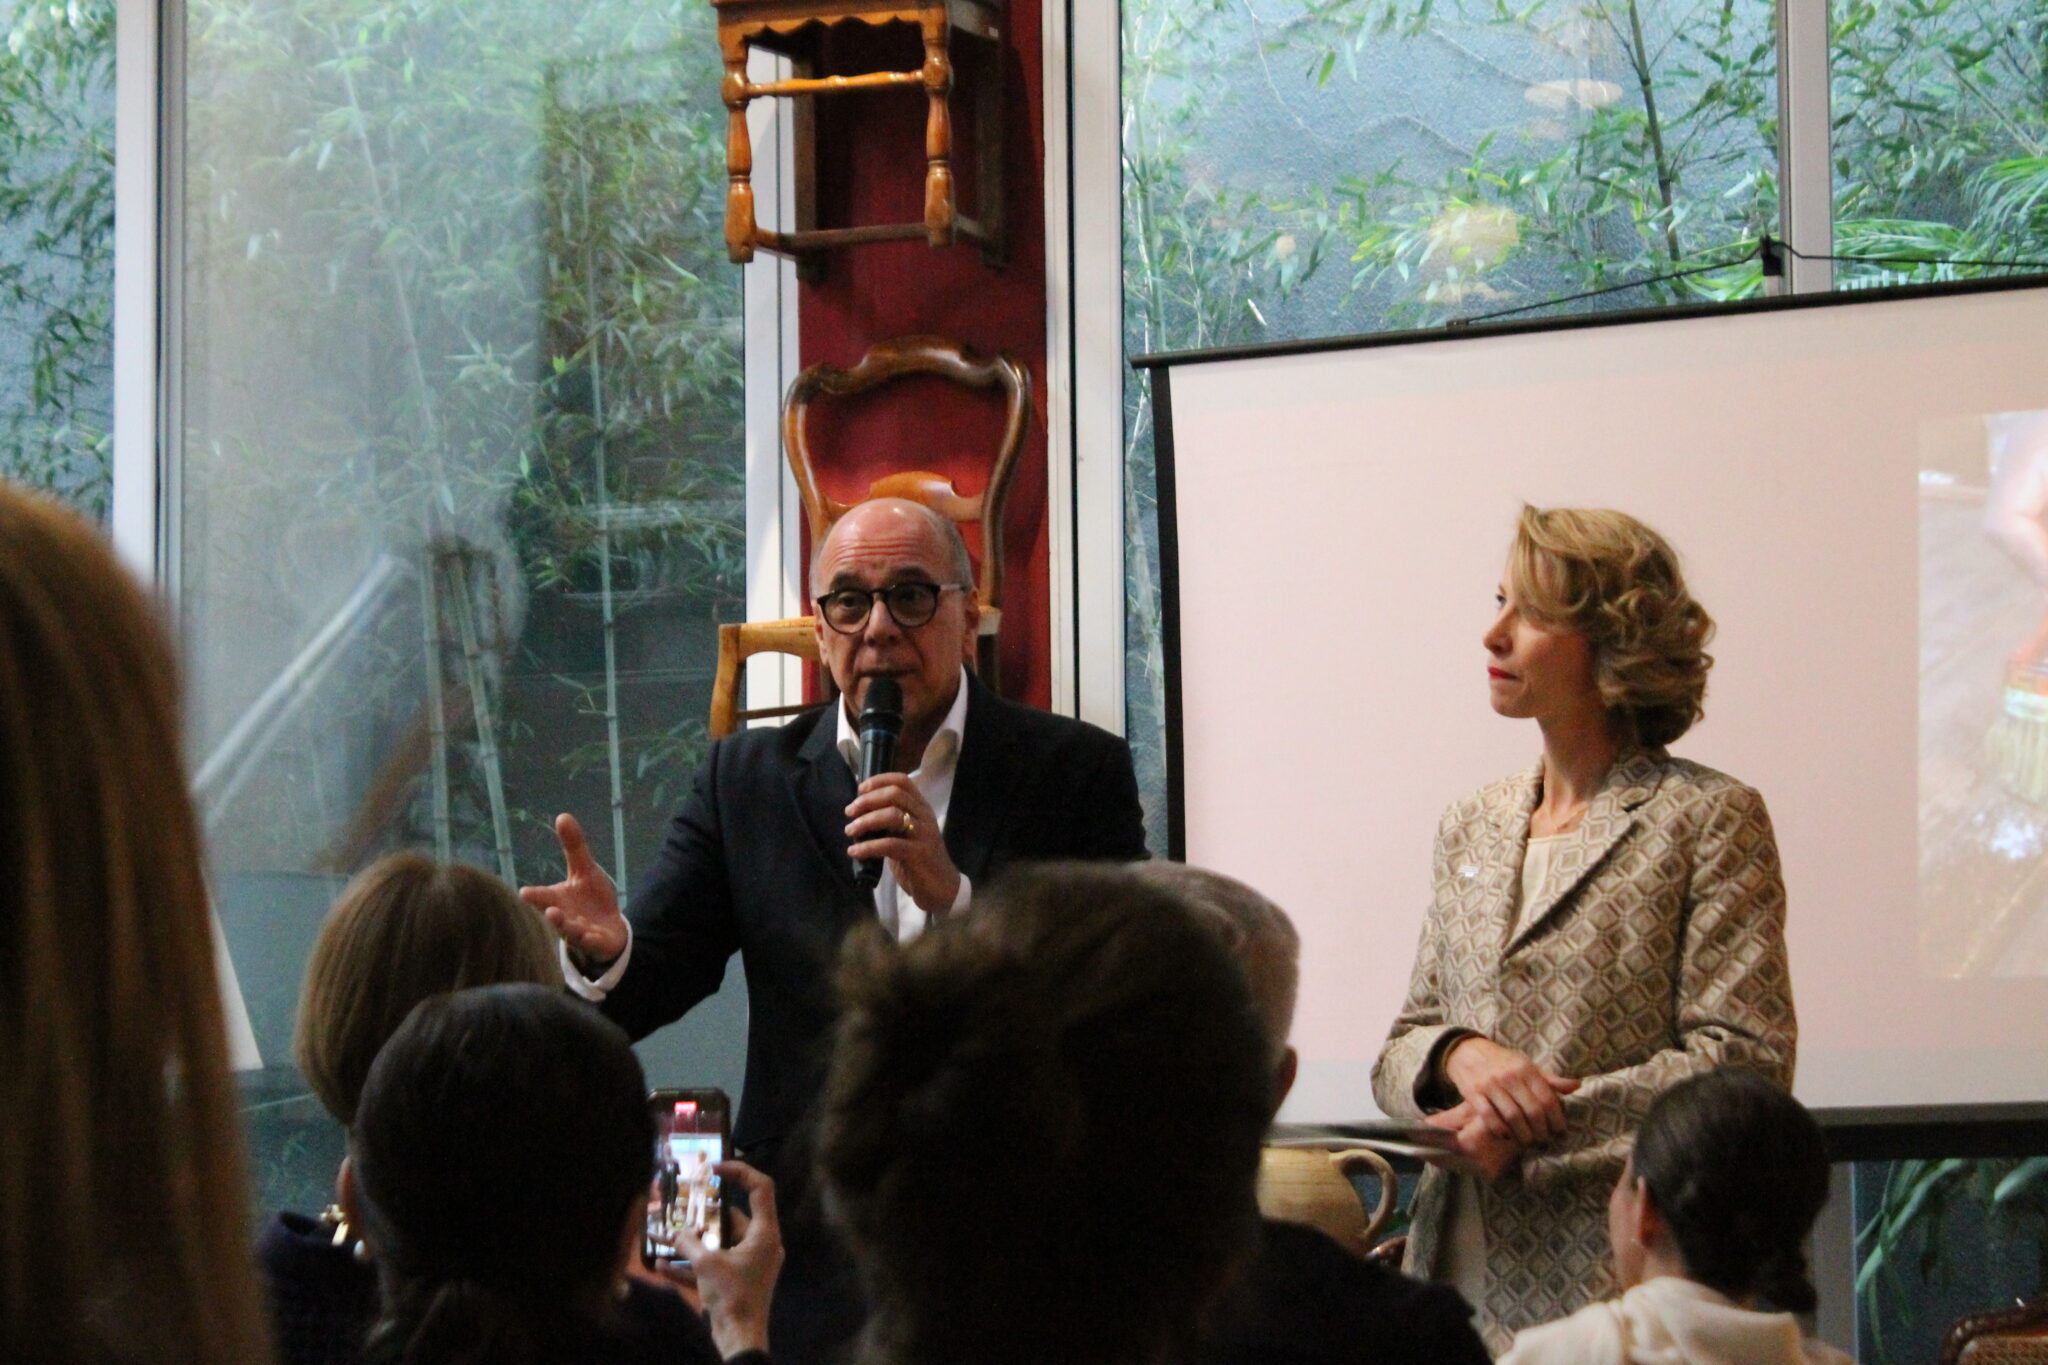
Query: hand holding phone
[[685, 1202], [737, 1281]]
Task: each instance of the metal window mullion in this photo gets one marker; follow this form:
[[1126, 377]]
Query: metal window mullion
[[774, 531], [1806, 187], [1094, 290]]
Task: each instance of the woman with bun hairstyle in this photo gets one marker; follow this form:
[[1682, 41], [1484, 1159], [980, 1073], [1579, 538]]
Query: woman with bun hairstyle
[[1604, 924], [498, 1175], [1042, 1125], [1708, 1223]]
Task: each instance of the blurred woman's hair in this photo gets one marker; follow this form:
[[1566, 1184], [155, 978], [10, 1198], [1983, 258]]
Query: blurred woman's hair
[[1738, 1171], [406, 928], [123, 1231], [1043, 1121], [501, 1141], [1615, 581]]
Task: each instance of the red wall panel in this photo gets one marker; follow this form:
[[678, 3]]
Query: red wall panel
[[870, 149]]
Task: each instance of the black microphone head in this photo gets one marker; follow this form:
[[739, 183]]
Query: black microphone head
[[882, 708]]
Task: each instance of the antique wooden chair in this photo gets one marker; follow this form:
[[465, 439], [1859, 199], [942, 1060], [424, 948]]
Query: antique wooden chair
[[738, 643], [2011, 1336], [885, 363], [796, 28]]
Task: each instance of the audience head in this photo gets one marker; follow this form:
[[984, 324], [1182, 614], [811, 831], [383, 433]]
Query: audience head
[[405, 928], [500, 1156], [122, 1223], [1257, 932], [1610, 578], [1729, 1171], [1043, 1120]]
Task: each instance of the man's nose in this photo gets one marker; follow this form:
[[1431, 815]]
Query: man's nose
[[881, 623]]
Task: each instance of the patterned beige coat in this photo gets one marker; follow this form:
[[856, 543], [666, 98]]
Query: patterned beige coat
[[1657, 951]]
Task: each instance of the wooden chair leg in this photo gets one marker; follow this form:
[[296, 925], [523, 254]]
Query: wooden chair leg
[[938, 133], [739, 153]]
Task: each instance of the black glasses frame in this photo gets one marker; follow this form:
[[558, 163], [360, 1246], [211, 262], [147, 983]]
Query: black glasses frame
[[886, 597]]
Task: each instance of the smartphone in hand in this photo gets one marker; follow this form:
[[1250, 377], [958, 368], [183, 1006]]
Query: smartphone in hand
[[691, 1130]]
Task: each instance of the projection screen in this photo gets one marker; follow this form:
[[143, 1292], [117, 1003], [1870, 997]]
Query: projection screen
[[1859, 491]]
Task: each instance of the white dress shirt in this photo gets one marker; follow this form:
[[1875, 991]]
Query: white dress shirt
[[899, 914]]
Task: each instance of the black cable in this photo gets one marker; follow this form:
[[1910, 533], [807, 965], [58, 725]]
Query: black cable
[[1918, 260], [1645, 283]]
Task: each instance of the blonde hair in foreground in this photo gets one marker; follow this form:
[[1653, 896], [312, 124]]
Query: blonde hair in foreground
[[1617, 582], [123, 1235]]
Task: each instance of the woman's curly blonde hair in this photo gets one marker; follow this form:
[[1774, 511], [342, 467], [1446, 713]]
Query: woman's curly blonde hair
[[1615, 581]]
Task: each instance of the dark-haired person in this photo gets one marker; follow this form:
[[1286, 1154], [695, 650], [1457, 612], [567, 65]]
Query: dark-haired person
[[1303, 1299], [1604, 924], [122, 1225], [1708, 1224], [404, 929], [498, 1174], [756, 859], [1042, 1126]]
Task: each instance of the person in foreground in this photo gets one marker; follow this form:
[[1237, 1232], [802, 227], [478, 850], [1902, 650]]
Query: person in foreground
[[123, 1232], [404, 929], [1708, 1221], [757, 858], [1303, 1299], [1042, 1126], [1603, 925], [498, 1172]]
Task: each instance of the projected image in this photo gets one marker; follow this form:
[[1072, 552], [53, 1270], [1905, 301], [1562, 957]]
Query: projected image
[[1984, 695]]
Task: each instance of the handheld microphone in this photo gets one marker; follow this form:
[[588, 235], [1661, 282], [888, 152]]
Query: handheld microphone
[[881, 721]]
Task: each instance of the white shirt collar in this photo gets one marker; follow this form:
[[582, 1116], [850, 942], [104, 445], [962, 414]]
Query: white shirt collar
[[941, 754]]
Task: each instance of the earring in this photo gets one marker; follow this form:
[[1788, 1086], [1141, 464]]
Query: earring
[[333, 1218]]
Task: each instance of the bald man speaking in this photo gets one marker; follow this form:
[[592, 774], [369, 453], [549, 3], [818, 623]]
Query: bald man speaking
[[757, 860]]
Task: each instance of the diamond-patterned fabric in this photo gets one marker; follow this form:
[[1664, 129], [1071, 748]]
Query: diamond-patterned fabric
[[1657, 950]]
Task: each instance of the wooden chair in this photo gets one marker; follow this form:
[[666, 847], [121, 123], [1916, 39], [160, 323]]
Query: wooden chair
[[738, 643], [885, 363], [2011, 1336], [796, 28]]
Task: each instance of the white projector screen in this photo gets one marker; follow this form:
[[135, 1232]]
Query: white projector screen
[[1337, 521]]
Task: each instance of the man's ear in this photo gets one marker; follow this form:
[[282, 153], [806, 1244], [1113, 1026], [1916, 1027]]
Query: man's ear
[[970, 647], [1283, 1077]]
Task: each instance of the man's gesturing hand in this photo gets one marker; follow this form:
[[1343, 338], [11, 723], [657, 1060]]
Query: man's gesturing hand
[[583, 907], [1511, 1095]]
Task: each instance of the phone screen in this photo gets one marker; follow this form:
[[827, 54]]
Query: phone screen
[[689, 1141]]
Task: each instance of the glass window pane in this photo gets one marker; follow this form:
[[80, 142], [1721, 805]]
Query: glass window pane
[[1311, 168], [461, 499], [57, 249], [1940, 136]]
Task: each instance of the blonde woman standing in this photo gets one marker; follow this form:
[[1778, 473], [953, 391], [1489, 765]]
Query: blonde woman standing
[[1604, 924]]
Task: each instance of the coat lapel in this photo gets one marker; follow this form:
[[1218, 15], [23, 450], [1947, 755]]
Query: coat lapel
[[1503, 862], [1629, 784], [983, 784], [822, 787]]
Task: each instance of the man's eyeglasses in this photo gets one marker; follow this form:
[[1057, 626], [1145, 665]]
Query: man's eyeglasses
[[910, 604]]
